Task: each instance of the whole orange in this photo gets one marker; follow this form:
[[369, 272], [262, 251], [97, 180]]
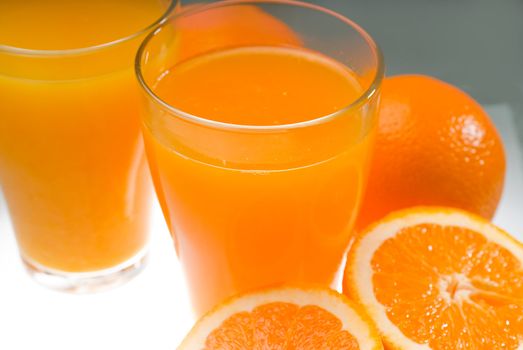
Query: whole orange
[[435, 146], [203, 29]]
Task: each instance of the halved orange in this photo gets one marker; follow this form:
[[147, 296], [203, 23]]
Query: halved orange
[[287, 318], [439, 278]]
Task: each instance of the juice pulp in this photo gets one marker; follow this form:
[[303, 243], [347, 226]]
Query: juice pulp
[[72, 166], [251, 209]]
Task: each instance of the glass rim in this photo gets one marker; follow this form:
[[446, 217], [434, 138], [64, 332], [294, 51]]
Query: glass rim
[[364, 96], [93, 48]]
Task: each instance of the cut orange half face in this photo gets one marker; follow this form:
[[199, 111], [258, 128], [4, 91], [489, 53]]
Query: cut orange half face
[[437, 278], [285, 319]]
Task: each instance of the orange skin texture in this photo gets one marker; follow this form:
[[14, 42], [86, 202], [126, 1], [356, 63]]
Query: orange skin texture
[[435, 146], [226, 27]]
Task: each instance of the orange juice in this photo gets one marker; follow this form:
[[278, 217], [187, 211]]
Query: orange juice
[[259, 192], [72, 166]]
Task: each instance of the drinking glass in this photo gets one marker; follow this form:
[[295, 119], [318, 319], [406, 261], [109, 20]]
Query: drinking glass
[[253, 204], [72, 166]]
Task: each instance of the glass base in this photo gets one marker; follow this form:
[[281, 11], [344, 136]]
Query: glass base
[[86, 282]]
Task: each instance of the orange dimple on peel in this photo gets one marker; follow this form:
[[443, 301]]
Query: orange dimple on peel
[[285, 319], [442, 278]]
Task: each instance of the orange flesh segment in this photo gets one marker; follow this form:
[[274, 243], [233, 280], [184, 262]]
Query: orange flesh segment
[[281, 325], [450, 287]]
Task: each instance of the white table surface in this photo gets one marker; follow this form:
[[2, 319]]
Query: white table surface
[[152, 311]]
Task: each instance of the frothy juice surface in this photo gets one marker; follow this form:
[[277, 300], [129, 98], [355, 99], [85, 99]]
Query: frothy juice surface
[[251, 209], [72, 165]]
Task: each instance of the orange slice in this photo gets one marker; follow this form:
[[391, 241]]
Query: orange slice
[[286, 318], [439, 278]]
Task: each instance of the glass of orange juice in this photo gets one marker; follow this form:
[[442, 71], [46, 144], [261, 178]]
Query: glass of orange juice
[[259, 123], [72, 165]]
